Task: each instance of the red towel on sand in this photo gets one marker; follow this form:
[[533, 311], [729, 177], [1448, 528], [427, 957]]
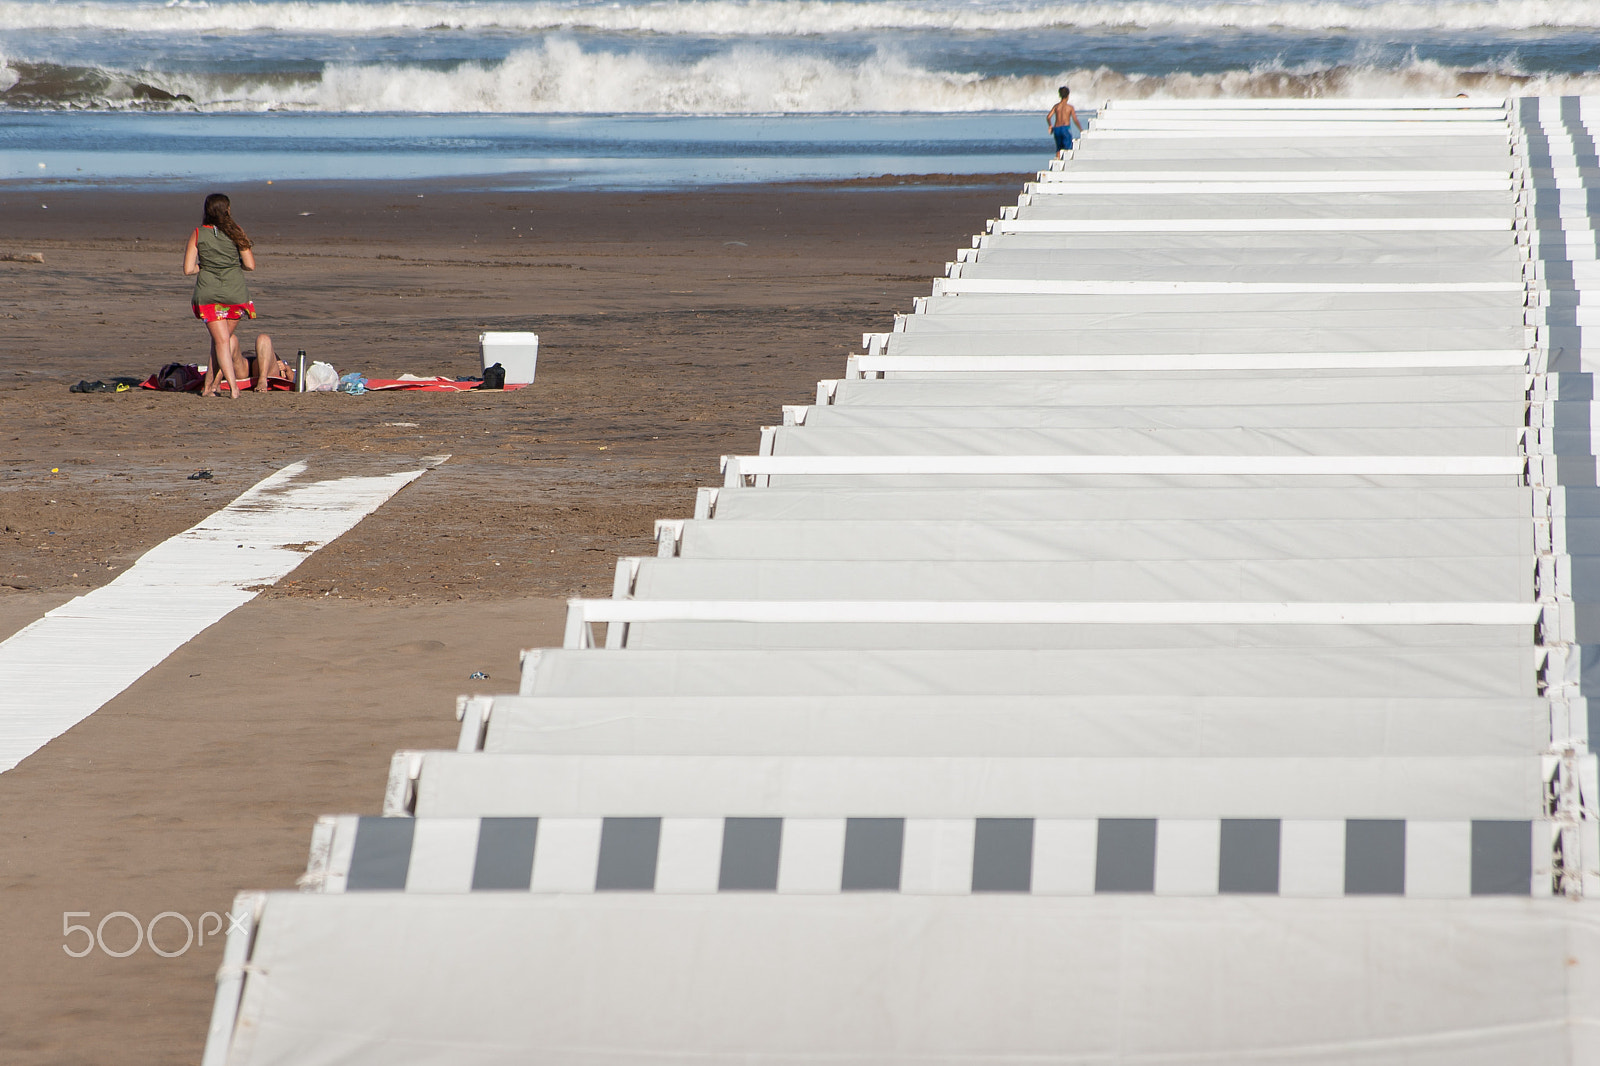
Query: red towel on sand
[[425, 385]]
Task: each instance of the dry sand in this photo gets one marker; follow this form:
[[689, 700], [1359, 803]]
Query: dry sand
[[672, 325]]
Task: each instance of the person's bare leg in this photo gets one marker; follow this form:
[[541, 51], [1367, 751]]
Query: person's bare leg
[[210, 386], [213, 368], [223, 344], [241, 365], [266, 360]]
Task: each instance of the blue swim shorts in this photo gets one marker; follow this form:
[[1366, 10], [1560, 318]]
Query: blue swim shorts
[[1063, 138]]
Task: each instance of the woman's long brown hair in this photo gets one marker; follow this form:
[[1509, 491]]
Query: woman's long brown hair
[[217, 214]]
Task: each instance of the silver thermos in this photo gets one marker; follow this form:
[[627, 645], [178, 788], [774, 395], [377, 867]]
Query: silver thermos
[[300, 375]]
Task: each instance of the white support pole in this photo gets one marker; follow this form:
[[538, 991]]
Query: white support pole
[[243, 921]]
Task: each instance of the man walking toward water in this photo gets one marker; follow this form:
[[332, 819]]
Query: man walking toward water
[[1061, 119]]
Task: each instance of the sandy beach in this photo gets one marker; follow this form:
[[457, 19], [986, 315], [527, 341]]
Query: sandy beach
[[672, 325]]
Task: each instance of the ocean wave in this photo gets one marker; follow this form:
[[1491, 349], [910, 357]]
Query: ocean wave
[[790, 17], [560, 77]]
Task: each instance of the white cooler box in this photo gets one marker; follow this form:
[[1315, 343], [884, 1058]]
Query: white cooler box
[[517, 353]]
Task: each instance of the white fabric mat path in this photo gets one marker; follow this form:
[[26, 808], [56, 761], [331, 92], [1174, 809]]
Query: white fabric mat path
[[70, 663]]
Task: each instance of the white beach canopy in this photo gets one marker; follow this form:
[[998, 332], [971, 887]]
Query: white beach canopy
[[1170, 642]]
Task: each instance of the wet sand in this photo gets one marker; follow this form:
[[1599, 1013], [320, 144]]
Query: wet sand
[[672, 326]]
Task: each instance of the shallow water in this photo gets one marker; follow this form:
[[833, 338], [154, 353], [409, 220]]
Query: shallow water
[[512, 151]]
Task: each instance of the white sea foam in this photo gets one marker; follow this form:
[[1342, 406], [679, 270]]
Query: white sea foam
[[790, 17], [558, 76]]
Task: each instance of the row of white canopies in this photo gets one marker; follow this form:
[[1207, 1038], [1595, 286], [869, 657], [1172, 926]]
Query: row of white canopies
[[1166, 644]]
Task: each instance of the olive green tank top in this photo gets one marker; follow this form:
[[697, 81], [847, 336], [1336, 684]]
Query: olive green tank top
[[221, 278]]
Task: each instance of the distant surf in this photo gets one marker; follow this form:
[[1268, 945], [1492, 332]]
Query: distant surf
[[742, 57], [559, 77]]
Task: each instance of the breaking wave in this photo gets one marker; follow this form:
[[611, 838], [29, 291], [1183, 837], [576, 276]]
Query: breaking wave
[[790, 17], [559, 77]]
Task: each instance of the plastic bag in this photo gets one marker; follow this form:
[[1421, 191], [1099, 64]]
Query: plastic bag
[[321, 377]]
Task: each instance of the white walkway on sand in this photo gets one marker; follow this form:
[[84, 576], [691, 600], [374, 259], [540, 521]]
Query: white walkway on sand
[[70, 663]]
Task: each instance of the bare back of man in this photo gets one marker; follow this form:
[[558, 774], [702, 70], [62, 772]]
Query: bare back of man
[[1061, 119]]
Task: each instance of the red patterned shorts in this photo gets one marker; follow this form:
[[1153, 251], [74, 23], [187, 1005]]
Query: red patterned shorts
[[220, 312]]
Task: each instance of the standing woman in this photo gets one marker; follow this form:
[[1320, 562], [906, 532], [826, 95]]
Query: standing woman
[[219, 252]]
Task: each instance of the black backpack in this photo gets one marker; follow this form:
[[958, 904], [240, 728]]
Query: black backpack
[[180, 377], [494, 377]]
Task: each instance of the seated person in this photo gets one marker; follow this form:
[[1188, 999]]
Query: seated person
[[263, 363], [259, 365]]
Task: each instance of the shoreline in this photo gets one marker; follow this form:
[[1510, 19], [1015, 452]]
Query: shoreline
[[186, 186], [527, 152]]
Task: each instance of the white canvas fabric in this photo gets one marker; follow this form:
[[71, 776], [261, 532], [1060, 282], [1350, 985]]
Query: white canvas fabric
[[1424, 472], [1404, 277], [1121, 503], [453, 784], [1172, 640], [1175, 416], [1173, 727], [1138, 440], [1201, 249], [1088, 318], [1473, 579], [601, 979], [1225, 669], [1269, 205], [1211, 303], [1484, 245], [1225, 153], [1353, 338], [1319, 538], [1086, 637], [1190, 390]]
